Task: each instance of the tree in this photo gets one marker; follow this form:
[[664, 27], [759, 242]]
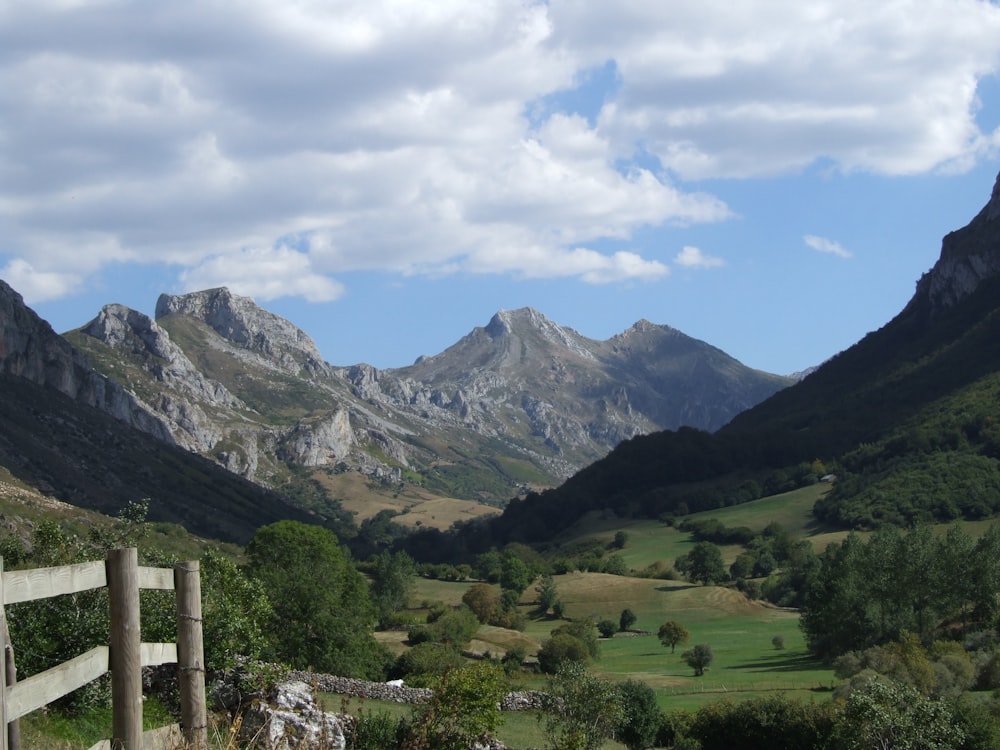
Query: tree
[[702, 563], [235, 610], [465, 705], [425, 662], [671, 633], [699, 658], [892, 715], [626, 620], [640, 716], [560, 649], [580, 711], [515, 575], [547, 594], [607, 628], [392, 582], [620, 540], [584, 629], [484, 600], [323, 616]]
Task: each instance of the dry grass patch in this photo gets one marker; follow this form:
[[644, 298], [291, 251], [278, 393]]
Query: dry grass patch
[[364, 499]]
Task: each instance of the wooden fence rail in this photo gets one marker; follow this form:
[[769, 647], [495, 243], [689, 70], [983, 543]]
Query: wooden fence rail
[[126, 654]]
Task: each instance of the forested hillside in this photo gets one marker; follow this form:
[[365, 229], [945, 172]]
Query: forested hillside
[[905, 419]]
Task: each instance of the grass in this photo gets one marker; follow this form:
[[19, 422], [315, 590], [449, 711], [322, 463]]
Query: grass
[[53, 730], [520, 729]]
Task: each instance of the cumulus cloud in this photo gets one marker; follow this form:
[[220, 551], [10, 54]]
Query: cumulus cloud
[[37, 286], [693, 257], [264, 274], [406, 137], [824, 245]]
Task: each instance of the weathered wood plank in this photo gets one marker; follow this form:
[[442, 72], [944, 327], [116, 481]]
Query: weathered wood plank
[[163, 738], [154, 654], [156, 578], [41, 583], [41, 689]]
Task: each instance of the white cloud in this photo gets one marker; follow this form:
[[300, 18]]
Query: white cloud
[[264, 275], [823, 245], [693, 257], [722, 90], [38, 286], [396, 136]]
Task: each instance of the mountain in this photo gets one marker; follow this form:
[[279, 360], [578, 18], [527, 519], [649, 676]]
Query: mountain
[[76, 434], [906, 419], [519, 403]]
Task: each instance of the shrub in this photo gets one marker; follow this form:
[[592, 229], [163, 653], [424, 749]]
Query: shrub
[[607, 628], [560, 649]]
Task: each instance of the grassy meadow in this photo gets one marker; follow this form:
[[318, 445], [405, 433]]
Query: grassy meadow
[[740, 631]]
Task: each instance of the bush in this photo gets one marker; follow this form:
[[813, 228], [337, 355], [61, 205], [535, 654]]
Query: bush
[[607, 628], [699, 658], [377, 731], [560, 649], [425, 661], [465, 706]]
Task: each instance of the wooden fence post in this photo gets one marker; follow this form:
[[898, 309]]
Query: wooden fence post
[[125, 659], [191, 654], [10, 672], [4, 740]]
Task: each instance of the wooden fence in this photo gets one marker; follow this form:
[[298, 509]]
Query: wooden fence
[[124, 657]]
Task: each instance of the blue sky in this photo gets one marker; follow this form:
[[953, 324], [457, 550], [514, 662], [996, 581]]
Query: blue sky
[[770, 177]]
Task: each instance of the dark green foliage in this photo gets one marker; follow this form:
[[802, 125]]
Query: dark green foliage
[[560, 649], [771, 723], [672, 633], [426, 661], [863, 594], [465, 706], [699, 658], [640, 716], [580, 711], [323, 615], [235, 610], [376, 731], [703, 563], [889, 714], [392, 581], [515, 574], [626, 620], [585, 630], [607, 628], [547, 593]]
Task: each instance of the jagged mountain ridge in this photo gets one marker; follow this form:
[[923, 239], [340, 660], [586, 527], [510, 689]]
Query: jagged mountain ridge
[[520, 401], [72, 432]]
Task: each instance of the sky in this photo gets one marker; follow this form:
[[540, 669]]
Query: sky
[[772, 177]]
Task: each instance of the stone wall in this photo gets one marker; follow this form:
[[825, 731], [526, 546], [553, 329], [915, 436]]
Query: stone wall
[[522, 700]]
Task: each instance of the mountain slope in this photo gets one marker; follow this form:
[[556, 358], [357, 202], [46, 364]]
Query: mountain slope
[[892, 413], [65, 432], [521, 402]]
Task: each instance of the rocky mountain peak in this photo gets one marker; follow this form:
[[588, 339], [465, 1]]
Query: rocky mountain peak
[[121, 328], [240, 321], [969, 256], [527, 323], [30, 349]]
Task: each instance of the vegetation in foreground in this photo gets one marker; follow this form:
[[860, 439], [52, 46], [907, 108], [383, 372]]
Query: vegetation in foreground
[[931, 665]]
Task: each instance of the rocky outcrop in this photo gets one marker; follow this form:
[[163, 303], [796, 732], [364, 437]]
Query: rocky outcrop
[[291, 720], [969, 256], [30, 349], [240, 321]]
